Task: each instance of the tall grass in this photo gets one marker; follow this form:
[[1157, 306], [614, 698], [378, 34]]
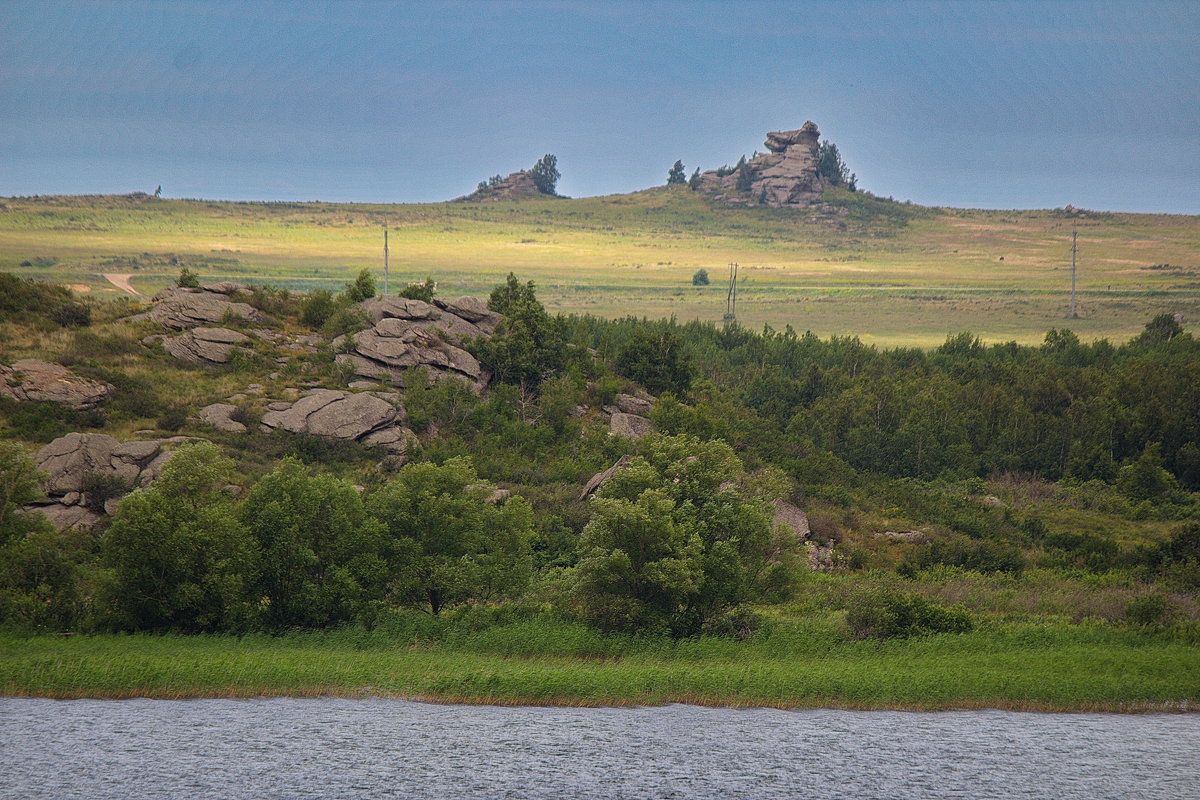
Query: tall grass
[[544, 661]]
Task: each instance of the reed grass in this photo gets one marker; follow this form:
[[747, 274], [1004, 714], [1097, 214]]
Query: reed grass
[[545, 662]]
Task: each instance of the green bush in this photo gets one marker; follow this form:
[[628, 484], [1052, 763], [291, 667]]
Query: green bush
[[317, 308], [896, 615], [187, 279], [362, 288], [1150, 610], [100, 487], [419, 291], [700, 277]]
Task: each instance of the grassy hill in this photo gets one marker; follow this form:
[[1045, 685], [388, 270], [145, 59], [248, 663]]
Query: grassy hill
[[890, 273]]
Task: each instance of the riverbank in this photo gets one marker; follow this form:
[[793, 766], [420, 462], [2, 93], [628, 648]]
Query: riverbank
[[1024, 667]]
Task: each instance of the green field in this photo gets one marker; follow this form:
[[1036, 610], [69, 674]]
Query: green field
[[890, 273]]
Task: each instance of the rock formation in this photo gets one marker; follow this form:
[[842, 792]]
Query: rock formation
[[205, 345], [38, 381], [631, 426], [793, 519], [784, 176], [180, 309], [412, 333], [72, 463], [517, 186], [220, 416], [371, 418]]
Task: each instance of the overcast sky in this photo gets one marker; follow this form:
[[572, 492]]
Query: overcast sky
[[982, 104]]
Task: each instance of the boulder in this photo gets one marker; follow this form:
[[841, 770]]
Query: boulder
[[219, 415], [334, 414], [205, 345], [29, 379], [792, 518], [597, 480], [65, 517], [473, 310], [181, 309], [785, 176], [378, 308], [630, 426], [631, 404]]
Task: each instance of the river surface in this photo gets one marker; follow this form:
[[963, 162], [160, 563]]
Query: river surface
[[375, 748]]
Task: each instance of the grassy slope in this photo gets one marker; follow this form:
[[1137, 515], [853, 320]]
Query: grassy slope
[[1020, 667], [890, 273]]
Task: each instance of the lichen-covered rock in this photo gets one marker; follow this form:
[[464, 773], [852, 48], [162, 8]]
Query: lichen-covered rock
[[30, 379], [631, 426], [181, 309], [393, 346], [219, 415], [474, 310], [205, 345], [70, 461], [784, 176], [793, 519], [633, 404], [333, 414]]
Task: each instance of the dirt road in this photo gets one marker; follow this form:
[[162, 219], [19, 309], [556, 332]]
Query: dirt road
[[121, 281]]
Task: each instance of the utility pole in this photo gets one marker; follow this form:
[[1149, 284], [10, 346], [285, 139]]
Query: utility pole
[[731, 295], [1074, 250], [385, 262]]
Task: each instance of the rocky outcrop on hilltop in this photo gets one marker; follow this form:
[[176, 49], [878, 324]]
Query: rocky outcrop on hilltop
[[411, 334], [29, 379], [78, 462], [517, 186], [181, 309], [786, 175]]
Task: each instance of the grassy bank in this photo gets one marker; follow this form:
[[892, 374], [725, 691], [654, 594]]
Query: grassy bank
[[1023, 667]]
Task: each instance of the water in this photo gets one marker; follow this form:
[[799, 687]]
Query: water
[[326, 748]]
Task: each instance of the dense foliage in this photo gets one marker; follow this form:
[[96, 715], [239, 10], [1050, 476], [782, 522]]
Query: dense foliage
[[993, 465]]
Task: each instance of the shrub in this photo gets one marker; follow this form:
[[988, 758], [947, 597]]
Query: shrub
[[1150, 610], [100, 487], [187, 279], [700, 277], [344, 321], [419, 291], [72, 315], [172, 419], [317, 308], [362, 288], [888, 615]]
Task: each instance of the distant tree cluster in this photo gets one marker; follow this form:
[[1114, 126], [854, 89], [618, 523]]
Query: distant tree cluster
[[677, 174]]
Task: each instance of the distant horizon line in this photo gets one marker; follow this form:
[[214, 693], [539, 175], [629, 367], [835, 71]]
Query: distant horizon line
[[150, 196]]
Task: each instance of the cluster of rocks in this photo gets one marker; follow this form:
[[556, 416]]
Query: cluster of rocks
[[181, 309], [626, 415], [203, 345], [784, 176], [73, 462], [407, 334], [29, 379]]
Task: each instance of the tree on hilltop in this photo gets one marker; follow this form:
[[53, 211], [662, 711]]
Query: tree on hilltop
[[676, 174], [831, 167], [545, 173]]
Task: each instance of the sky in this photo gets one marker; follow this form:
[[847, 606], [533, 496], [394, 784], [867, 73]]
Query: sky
[[970, 104]]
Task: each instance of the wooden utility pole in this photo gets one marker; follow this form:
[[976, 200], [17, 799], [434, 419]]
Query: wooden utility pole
[[385, 262], [1074, 250]]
